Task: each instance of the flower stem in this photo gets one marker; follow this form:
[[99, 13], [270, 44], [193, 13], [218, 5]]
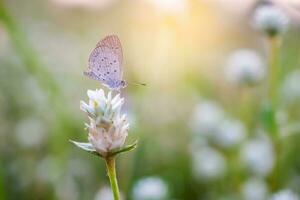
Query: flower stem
[[111, 171], [273, 80], [274, 70]]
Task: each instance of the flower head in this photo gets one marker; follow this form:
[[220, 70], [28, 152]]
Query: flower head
[[270, 20], [208, 163], [244, 67], [290, 89], [105, 193], [207, 116], [150, 188], [108, 128], [285, 195], [255, 188], [30, 132], [258, 156], [230, 133]]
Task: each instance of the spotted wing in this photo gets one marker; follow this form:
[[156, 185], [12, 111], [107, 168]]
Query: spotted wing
[[104, 66], [113, 43]]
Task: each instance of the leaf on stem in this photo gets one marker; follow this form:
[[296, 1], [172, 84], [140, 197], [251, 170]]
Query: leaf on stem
[[86, 146], [124, 149]]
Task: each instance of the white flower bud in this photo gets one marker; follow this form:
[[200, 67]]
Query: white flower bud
[[290, 89], [230, 133], [207, 116], [151, 188], [244, 67], [105, 193], [255, 188], [270, 19], [108, 128], [208, 163], [258, 156], [30, 132], [285, 195]]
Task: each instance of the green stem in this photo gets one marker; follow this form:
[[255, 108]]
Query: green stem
[[272, 87], [111, 171], [273, 81], [274, 70]]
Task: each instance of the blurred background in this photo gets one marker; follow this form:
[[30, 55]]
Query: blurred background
[[211, 123]]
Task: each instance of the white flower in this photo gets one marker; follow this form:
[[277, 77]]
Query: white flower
[[67, 189], [270, 20], [208, 163], [50, 165], [30, 132], [290, 88], [230, 133], [207, 117], [258, 156], [105, 193], [108, 128], [150, 188], [285, 195], [244, 67], [255, 189]]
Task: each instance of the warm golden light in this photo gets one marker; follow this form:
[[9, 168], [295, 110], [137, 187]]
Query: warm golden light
[[91, 4], [172, 6]]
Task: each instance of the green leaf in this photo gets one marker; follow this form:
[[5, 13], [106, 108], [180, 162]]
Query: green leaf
[[86, 146], [124, 149]]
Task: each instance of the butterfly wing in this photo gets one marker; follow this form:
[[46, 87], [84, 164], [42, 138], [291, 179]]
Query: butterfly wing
[[105, 62], [113, 43], [104, 66]]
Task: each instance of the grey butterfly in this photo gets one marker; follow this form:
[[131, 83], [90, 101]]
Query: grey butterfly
[[106, 62]]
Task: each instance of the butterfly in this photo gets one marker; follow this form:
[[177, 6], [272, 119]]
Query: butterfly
[[106, 63]]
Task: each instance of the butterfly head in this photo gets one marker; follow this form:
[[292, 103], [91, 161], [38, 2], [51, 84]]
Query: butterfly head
[[123, 84], [116, 84]]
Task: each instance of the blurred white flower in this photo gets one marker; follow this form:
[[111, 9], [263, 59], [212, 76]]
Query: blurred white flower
[[150, 188], [285, 195], [90, 4], [108, 128], [230, 133], [290, 89], [208, 163], [67, 189], [105, 193], [270, 19], [207, 117], [30, 132], [255, 189], [51, 167], [258, 156], [232, 6], [244, 67], [79, 168]]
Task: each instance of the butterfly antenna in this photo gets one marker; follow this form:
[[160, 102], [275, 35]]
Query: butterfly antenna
[[135, 83]]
